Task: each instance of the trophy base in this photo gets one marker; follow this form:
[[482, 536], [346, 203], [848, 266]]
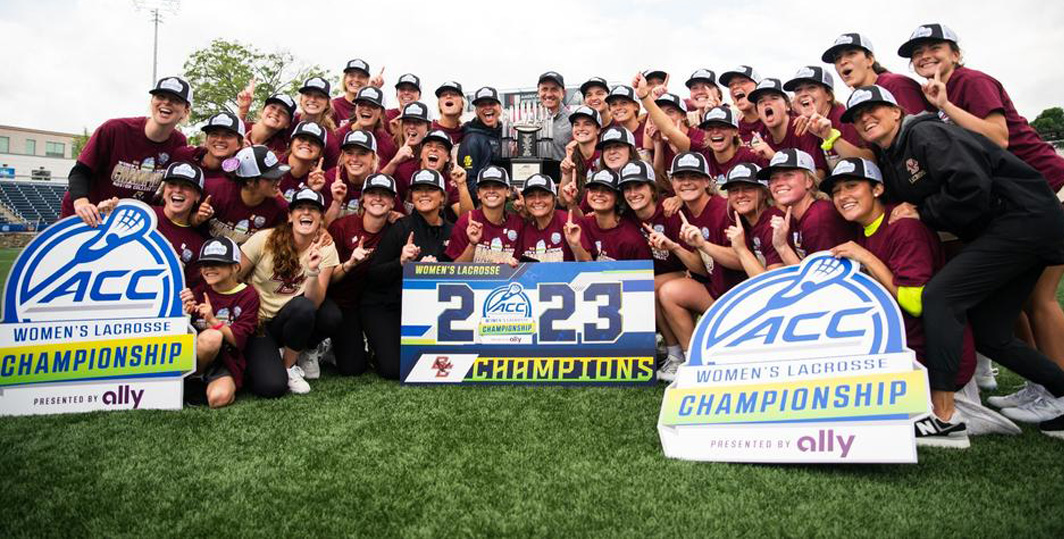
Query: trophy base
[[521, 168]]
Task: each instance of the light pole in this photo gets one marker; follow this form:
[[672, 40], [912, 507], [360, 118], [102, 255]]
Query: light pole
[[156, 9]]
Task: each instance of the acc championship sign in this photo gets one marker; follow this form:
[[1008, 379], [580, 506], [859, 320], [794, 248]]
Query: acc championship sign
[[805, 363], [558, 323], [92, 319]]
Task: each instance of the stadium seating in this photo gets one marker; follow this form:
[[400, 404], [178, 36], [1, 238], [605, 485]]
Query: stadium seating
[[34, 201]]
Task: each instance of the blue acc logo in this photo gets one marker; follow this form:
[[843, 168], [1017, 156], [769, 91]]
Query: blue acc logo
[[122, 269], [820, 308], [508, 302]]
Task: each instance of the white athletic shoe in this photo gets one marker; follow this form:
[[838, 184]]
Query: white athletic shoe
[[934, 432], [667, 372], [310, 361], [1041, 409], [982, 420], [296, 383], [1027, 394], [985, 373]]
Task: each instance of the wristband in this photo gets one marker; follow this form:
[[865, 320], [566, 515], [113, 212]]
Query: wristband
[[829, 142], [218, 326]]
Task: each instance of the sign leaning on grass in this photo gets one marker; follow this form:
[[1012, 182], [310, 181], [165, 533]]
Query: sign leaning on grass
[[805, 363], [92, 319], [568, 323]]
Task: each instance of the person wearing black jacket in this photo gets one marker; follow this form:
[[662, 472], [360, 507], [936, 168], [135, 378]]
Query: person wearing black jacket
[[958, 181], [481, 137], [419, 237]]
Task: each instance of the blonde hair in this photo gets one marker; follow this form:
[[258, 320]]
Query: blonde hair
[[325, 120]]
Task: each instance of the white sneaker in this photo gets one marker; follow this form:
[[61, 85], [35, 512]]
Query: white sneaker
[[982, 420], [329, 355], [985, 373], [1028, 393], [296, 383], [310, 361], [1041, 409], [667, 372], [934, 432]]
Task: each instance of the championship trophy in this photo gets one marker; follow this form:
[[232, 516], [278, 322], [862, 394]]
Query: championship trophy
[[527, 135]]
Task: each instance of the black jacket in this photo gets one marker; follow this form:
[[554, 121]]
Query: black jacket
[[384, 279], [959, 180], [480, 144]]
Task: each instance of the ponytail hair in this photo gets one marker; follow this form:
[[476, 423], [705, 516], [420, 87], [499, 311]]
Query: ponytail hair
[[282, 245]]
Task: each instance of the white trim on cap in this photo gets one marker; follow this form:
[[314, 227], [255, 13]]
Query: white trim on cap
[[805, 73], [172, 83], [612, 134], [716, 113], [844, 39], [215, 247], [269, 159], [605, 173], [184, 169], [312, 128], [492, 172], [844, 167], [688, 160], [859, 96]]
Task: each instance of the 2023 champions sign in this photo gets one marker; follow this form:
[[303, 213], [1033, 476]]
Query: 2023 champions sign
[[92, 319], [541, 323], [805, 363]]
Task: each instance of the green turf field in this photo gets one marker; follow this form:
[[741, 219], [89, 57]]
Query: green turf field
[[370, 458], [7, 258]]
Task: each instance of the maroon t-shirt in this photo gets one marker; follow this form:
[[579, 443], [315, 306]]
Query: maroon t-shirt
[[664, 260], [747, 129], [622, 242], [455, 133], [290, 185], [332, 143], [981, 94], [719, 171], [808, 143], [342, 109], [186, 241], [240, 311], [347, 232], [638, 131], [698, 144], [235, 220], [278, 143], [385, 144], [195, 154], [353, 199], [498, 242], [849, 134], [714, 222], [906, 92], [548, 245], [759, 238], [124, 162], [820, 228]]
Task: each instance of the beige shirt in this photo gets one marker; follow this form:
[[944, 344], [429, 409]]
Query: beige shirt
[[275, 292]]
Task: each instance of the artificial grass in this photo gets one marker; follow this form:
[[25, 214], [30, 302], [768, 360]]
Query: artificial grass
[[368, 457]]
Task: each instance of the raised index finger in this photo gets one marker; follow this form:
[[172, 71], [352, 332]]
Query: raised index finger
[[683, 218]]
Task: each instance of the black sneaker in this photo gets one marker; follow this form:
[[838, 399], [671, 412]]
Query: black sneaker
[[933, 432], [1054, 427]]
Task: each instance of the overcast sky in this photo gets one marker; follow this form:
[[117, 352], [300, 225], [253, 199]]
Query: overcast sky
[[73, 64]]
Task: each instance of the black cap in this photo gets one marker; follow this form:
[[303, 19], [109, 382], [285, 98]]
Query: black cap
[[613, 134], [689, 162], [765, 87], [554, 77], [845, 42], [605, 177], [307, 195], [184, 172], [671, 99], [739, 71], [637, 171], [592, 82], [415, 110], [702, 75], [370, 94], [787, 159], [814, 74], [408, 78], [440, 136], [719, 115], [255, 162], [655, 74], [221, 250], [361, 138], [864, 96], [428, 177], [852, 167], [622, 92], [493, 173], [175, 86], [486, 93], [925, 33], [357, 64], [226, 121], [316, 84], [541, 182], [312, 130], [587, 112], [287, 102], [743, 173], [449, 85], [378, 180]]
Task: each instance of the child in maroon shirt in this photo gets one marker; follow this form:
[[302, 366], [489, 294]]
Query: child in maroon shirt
[[225, 313]]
